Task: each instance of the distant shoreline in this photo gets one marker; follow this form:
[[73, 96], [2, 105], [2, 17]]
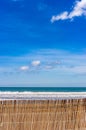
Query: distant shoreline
[[43, 89]]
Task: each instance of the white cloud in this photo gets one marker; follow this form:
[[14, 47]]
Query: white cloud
[[78, 10], [55, 60], [24, 68], [36, 63], [73, 70], [62, 16], [79, 69], [48, 67]]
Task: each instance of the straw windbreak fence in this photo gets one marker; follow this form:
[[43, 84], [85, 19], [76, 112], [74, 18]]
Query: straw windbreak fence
[[43, 114]]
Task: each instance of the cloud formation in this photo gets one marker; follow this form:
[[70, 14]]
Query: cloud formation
[[36, 63], [79, 9], [60, 61], [24, 68], [48, 67]]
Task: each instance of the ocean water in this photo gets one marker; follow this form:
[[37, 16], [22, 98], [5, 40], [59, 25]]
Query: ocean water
[[43, 89]]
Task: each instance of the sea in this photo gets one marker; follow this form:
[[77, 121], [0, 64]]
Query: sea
[[42, 89]]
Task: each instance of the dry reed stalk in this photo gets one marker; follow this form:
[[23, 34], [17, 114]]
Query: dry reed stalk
[[43, 114]]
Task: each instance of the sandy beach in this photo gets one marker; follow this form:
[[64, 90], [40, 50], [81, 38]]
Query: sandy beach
[[41, 95]]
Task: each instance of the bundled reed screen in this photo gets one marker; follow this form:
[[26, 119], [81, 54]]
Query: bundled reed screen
[[43, 115]]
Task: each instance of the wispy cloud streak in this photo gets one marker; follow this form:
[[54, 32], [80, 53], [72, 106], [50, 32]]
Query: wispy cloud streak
[[48, 59], [79, 9]]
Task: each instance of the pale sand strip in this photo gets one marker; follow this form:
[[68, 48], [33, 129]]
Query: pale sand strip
[[41, 95]]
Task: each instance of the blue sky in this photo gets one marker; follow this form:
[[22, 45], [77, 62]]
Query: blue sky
[[43, 43]]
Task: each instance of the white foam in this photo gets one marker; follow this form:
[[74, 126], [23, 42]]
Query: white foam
[[41, 95]]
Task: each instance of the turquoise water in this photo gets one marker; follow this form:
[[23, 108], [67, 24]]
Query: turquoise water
[[44, 89]]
